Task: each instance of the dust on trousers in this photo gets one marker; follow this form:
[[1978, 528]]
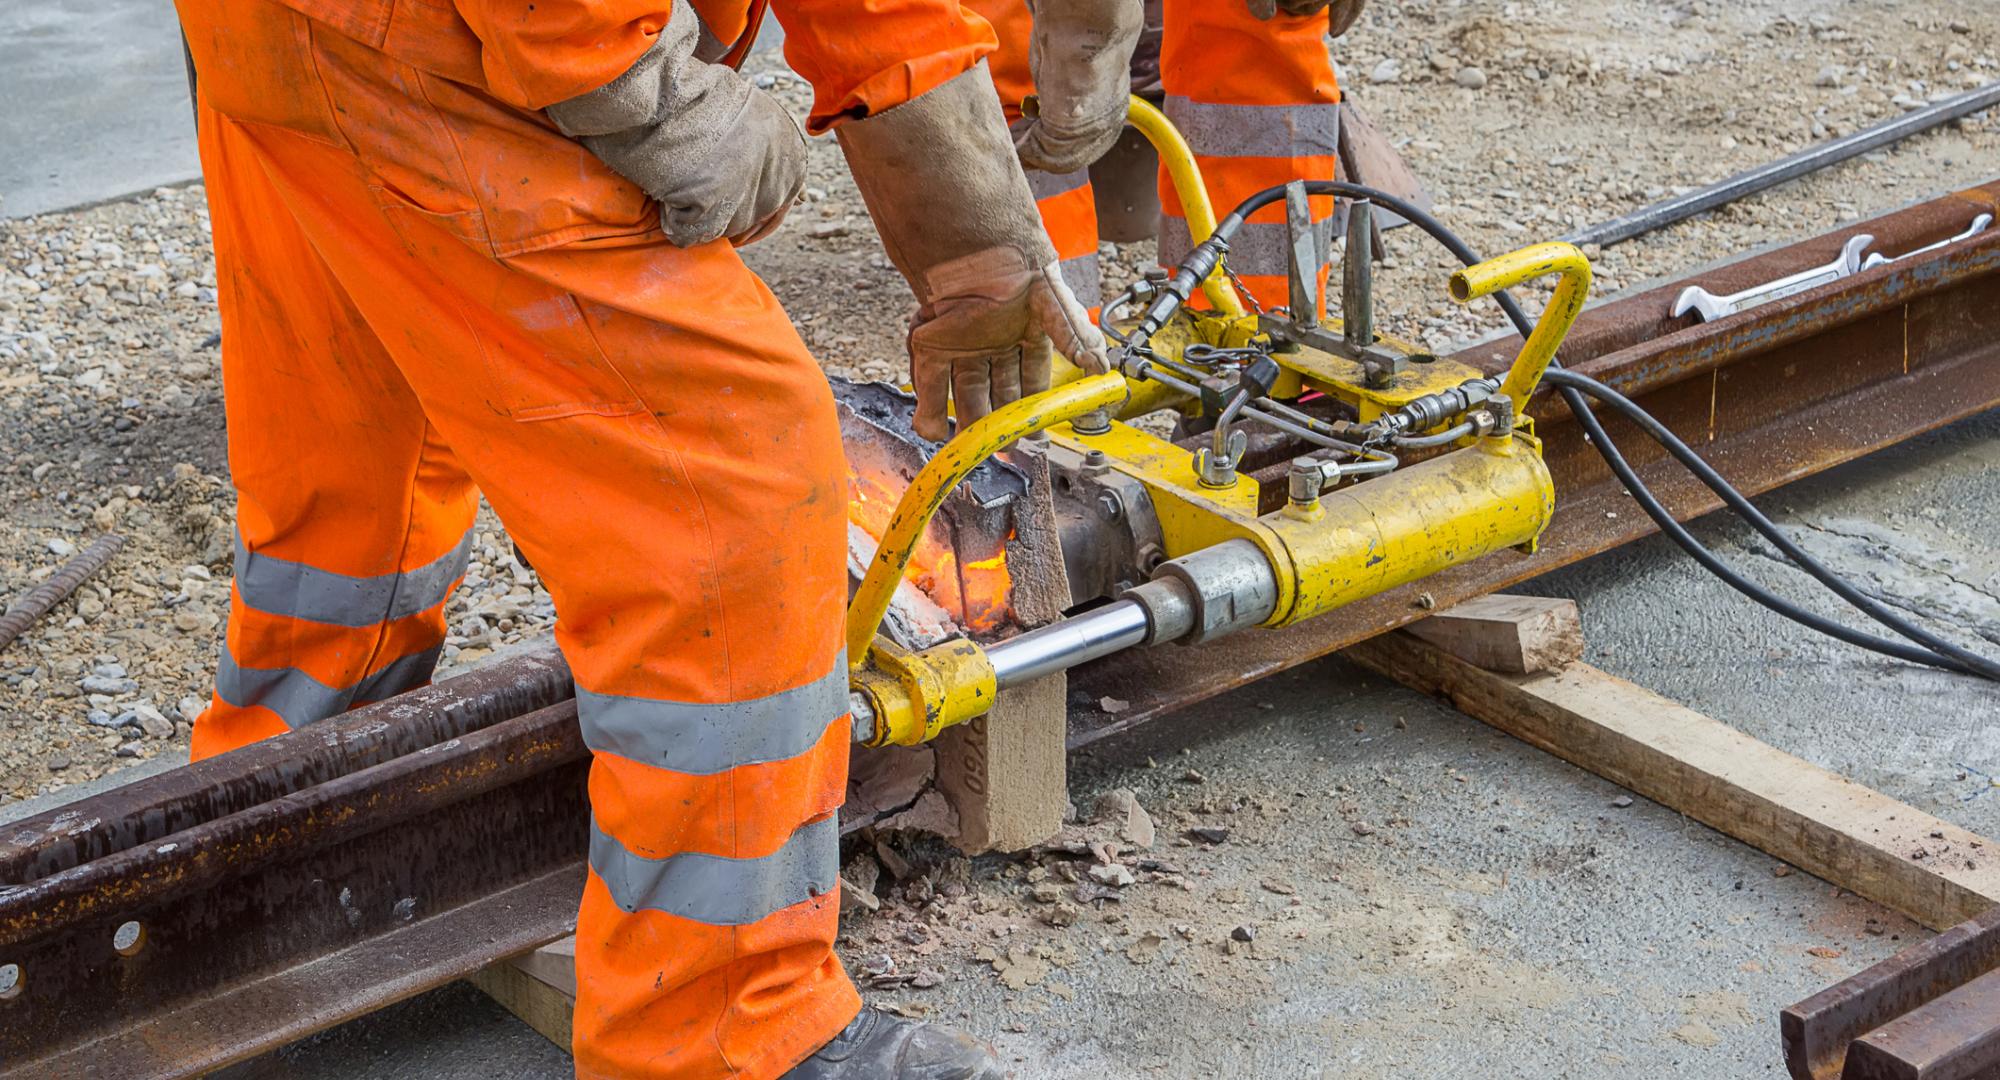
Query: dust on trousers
[[427, 293]]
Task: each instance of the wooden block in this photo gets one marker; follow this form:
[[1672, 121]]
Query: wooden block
[[1006, 774], [1841, 831], [1515, 634], [538, 987]]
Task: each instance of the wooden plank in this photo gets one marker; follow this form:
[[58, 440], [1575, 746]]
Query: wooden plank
[[1501, 632], [1841, 831], [538, 987]]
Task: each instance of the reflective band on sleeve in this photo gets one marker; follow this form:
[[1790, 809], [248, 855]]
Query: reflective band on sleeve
[[1046, 185], [1269, 131], [281, 587], [1259, 247], [716, 890], [704, 739], [299, 699], [1082, 277]]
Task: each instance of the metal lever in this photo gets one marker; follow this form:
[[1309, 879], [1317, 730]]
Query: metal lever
[[1979, 225], [1711, 307]]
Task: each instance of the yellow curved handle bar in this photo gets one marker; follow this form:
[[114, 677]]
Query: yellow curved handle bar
[[1186, 176], [979, 441], [1513, 268]]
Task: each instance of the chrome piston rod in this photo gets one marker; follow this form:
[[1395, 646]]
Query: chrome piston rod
[[1059, 646], [1197, 597], [1062, 645]]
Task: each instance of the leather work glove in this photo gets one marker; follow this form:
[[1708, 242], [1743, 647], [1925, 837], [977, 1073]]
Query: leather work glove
[[940, 179], [1341, 17], [1080, 54], [723, 158]]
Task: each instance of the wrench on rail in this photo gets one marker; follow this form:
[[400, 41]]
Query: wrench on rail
[[1978, 226], [1711, 307]]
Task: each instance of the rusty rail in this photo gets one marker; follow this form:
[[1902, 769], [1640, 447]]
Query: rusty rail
[[207, 914], [1931, 1011]]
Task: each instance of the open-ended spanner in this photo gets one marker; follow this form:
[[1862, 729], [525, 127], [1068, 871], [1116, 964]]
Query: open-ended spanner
[[1711, 307], [1978, 226]]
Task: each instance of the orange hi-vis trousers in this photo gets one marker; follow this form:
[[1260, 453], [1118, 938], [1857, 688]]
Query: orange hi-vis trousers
[[426, 291], [1255, 99]]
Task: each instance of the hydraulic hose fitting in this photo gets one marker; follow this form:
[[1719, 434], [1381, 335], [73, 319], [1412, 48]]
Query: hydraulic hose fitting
[[1174, 292]]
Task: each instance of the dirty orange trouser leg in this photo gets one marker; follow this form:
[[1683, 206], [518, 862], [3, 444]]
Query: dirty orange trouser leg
[[1257, 102], [410, 265], [1066, 201], [353, 516]]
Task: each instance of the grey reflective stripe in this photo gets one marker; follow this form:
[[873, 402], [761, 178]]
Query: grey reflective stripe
[[1082, 277], [1045, 185], [1275, 131], [704, 739], [282, 587], [716, 890], [300, 699], [1259, 247]]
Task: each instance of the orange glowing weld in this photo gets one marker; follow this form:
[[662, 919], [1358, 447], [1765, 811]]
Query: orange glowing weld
[[977, 592]]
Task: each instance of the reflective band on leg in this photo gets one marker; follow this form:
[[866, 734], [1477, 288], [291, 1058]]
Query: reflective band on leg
[[299, 699], [1047, 185], [716, 890], [282, 587], [1259, 247], [704, 739], [1266, 131]]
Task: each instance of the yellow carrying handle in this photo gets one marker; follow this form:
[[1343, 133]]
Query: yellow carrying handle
[[1513, 268], [1186, 175], [941, 473]]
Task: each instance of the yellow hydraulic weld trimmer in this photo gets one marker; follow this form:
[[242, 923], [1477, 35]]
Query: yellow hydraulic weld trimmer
[[1323, 509]]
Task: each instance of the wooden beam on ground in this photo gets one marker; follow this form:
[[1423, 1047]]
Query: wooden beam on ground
[[1517, 635], [538, 987], [1816, 820]]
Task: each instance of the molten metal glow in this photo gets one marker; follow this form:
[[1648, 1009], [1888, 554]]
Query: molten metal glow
[[977, 591]]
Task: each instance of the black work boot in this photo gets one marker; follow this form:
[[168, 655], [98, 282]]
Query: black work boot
[[878, 1046]]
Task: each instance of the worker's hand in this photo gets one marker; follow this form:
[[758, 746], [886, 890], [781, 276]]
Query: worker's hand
[[940, 179], [1341, 14], [1080, 54], [984, 337], [723, 158]]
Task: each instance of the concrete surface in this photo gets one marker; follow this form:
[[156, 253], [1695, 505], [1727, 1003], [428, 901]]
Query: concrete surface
[[1514, 923], [93, 102]]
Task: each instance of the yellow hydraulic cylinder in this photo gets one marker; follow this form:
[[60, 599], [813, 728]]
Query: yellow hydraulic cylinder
[[1373, 536]]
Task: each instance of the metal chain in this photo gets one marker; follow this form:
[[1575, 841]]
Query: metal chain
[[1242, 290]]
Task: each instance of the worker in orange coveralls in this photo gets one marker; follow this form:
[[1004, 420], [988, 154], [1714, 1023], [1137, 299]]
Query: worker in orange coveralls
[[491, 244], [1248, 83]]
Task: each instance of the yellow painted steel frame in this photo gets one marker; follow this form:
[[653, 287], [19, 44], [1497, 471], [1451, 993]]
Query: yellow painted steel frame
[[917, 695]]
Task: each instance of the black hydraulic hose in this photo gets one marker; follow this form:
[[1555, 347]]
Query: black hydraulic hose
[[1964, 660], [1934, 653]]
